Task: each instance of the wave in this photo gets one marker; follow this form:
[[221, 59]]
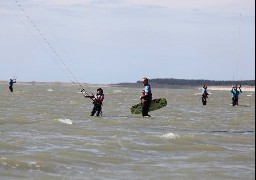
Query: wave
[[170, 136], [66, 121]]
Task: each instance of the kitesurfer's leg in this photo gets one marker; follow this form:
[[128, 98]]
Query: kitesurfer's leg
[[145, 108], [11, 88], [98, 110], [236, 101], [93, 110], [204, 100], [233, 101]]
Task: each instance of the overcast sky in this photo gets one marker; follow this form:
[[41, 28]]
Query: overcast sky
[[111, 41]]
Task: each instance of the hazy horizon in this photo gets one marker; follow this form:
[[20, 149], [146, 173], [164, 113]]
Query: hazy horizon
[[2, 81]]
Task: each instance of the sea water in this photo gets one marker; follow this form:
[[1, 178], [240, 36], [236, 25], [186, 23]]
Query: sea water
[[47, 133]]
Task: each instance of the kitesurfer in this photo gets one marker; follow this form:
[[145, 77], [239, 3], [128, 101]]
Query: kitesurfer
[[235, 93], [204, 95], [11, 82], [146, 97], [97, 102]]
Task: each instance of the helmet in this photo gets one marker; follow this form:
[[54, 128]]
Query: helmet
[[145, 80], [99, 89]]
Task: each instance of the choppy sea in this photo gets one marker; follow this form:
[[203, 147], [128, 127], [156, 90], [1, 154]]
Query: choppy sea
[[47, 133]]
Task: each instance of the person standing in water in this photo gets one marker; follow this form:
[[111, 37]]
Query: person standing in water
[[11, 82], [97, 101], [235, 93], [146, 97], [204, 95]]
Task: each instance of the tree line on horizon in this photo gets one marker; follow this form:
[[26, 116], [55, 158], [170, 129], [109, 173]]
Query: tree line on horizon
[[200, 82], [184, 83]]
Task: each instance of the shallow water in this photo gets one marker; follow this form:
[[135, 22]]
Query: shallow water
[[47, 133]]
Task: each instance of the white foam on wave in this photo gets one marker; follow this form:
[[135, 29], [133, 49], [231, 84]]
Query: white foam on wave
[[72, 102], [170, 136], [66, 121], [117, 91]]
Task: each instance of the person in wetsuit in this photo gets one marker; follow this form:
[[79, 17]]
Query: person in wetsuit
[[235, 93], [11, 82], [97, 102], [146, 97], [204, 95]]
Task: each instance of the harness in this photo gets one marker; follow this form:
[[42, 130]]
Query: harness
[[205, 93], [149, 95], [98, 99]]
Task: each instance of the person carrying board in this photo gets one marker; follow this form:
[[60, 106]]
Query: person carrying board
[[146, 97]]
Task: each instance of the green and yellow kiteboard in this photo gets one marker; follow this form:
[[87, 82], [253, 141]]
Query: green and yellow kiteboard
[[155, 104]]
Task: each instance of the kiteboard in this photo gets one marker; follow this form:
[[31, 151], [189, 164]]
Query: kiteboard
[[155, 104]]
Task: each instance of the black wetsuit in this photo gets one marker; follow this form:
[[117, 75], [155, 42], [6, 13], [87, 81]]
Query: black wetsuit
[[97, 108], [235, 94], [204, 96], [146, 100], [11, 84]]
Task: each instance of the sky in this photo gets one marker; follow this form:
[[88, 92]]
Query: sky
[[114, 41]]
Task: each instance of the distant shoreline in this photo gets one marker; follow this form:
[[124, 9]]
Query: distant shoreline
[[54, 83], [228, 88], [135, 85]]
